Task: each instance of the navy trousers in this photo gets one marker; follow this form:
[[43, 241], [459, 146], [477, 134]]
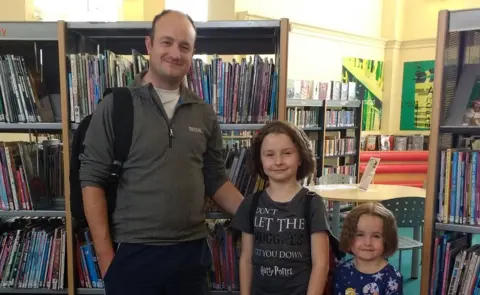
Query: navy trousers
[[179, 269]]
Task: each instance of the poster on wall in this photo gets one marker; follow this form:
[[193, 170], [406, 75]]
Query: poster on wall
[[417, 95], [368, 74]]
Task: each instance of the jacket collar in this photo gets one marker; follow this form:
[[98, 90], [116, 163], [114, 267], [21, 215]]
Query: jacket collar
[[186, 95]]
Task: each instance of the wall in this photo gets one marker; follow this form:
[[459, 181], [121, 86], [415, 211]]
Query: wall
[[423, 14], [324, 45], [17, 10], [349, 16], [326, 50]]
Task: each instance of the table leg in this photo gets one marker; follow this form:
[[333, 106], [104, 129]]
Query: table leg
[[416, 253], [336, 219]]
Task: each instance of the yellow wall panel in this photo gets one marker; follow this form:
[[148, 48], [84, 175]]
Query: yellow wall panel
[[422, 16]]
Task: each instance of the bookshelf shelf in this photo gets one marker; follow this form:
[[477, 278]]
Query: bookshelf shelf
[[31, 213], [304, 103], [29, 31], [340, 156], [344, 103], [470, 229], [90, 291], [473, 130], [320, 103], [26, 127], [231, 127], [31, 291], [341, 128]]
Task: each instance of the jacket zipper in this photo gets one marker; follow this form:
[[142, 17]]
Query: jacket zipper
[[171, 134]]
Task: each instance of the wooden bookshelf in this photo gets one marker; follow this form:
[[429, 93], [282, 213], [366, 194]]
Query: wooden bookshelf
[[457, 47], [268, 37], [319, 127], [216, 37]]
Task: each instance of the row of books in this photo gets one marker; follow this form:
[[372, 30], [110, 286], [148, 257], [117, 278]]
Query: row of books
[[224, 274], [31, 174], [32, 253], [456, 265], [239, 92], [86, 260], [416, 142], [340, 118], [321, 90], [459, 187], [18, 94], [347, 169], [89, 75], [335, 146], [302, 118], [237, 164]]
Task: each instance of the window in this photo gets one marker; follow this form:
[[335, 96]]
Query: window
[[77, 10], [197, 9]]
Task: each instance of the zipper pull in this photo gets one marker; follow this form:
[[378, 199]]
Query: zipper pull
[[171, 132]]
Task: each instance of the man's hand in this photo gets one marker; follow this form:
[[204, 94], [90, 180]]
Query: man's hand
[[104, 261]]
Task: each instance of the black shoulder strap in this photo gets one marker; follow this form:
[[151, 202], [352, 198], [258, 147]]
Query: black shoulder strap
[[308, 211], [122, 128], [333, 241], [253, 208]]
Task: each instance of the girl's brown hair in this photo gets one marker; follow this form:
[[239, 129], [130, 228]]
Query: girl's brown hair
[[390, 235], [298, 137]]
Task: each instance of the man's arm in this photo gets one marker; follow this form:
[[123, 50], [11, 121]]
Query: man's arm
[[94, 171], [223, 192], [228, 197]]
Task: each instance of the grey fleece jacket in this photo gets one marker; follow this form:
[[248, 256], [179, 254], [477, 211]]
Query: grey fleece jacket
[[170, 169]]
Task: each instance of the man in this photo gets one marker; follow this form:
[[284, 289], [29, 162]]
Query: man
[[174, 161]]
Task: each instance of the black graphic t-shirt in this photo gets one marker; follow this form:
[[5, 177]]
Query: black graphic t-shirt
[[281, 254]]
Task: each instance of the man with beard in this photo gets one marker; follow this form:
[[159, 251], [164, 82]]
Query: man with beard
[[175, 159]]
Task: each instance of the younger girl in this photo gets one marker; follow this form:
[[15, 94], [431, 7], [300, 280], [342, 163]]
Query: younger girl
[[370, 234], [285, 238]]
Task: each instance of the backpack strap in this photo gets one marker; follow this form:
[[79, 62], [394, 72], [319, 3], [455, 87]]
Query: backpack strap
[[333, 241], [307, 207], [253, 208], [122, 129]]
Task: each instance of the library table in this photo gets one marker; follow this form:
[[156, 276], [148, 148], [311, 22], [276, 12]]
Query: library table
[[376, 193]]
